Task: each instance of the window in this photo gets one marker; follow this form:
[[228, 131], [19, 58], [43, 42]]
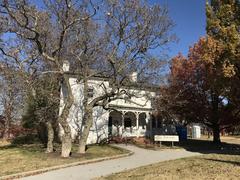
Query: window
[[142, 120], [90, 92], [127, 122]]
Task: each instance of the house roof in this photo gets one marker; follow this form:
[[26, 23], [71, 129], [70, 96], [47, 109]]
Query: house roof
[[126, 84]]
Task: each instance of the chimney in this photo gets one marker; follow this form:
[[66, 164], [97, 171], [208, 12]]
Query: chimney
[[66, 66], [133, 77]]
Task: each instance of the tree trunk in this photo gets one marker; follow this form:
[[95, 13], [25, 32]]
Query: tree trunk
[[5, 133], [66, 145], [57, 134], [8, 110], [216, 134], [66, 137], [50, 133], [88, 121], [215, 116], [6, 130]]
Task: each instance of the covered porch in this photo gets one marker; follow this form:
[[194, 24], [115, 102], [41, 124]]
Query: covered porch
[[130, 123]]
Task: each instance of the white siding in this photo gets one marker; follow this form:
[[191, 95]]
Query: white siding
[[99, 129]]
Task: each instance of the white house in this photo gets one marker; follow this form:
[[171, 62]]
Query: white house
[[125, 117]]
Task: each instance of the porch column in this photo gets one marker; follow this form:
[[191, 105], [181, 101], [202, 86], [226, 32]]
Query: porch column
[[151, 124], [137, 120], [122, 120], [137, 123], [122, 127]]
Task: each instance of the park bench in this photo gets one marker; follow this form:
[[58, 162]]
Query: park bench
[[166, 138]]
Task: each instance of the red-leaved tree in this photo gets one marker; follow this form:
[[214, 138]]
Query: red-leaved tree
[[197, 91]]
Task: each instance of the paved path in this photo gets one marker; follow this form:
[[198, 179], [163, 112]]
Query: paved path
[[140, 157]]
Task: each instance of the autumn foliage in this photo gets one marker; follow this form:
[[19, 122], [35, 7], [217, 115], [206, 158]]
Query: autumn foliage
[[197, 90]]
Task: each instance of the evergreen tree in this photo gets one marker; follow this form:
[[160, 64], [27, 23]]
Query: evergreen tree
[[42, 109]]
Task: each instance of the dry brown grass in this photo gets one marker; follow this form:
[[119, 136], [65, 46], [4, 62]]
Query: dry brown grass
[[223, 163], [15, 159], [211, 166]]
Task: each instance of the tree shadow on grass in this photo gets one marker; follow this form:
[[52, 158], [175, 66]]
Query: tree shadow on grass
[[9, 146], [193, 145], [207, 147], [224, 161]]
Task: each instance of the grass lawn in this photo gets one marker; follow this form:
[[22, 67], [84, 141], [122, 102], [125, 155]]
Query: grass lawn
[[21, 158], [210, 166], [218, 162]]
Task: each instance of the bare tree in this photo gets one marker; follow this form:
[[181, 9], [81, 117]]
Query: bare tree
[[10, 98], [106, 38], [115, 47], [45, 32]]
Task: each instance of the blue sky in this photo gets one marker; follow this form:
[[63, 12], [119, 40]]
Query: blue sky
[[189, 17], [190, 21]]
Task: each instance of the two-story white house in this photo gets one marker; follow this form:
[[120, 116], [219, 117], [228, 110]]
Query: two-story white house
[[128, 117]]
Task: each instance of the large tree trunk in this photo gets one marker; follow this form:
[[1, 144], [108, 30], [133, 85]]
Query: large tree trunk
[[66, 145], [215, 117], [88, 121], [66, 137], [50, 133], [216, 134]]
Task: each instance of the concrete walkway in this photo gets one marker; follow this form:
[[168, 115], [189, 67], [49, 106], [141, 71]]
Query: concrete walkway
[[140, 157]]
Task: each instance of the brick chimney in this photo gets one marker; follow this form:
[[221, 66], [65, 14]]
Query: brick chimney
[[66, 66]]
